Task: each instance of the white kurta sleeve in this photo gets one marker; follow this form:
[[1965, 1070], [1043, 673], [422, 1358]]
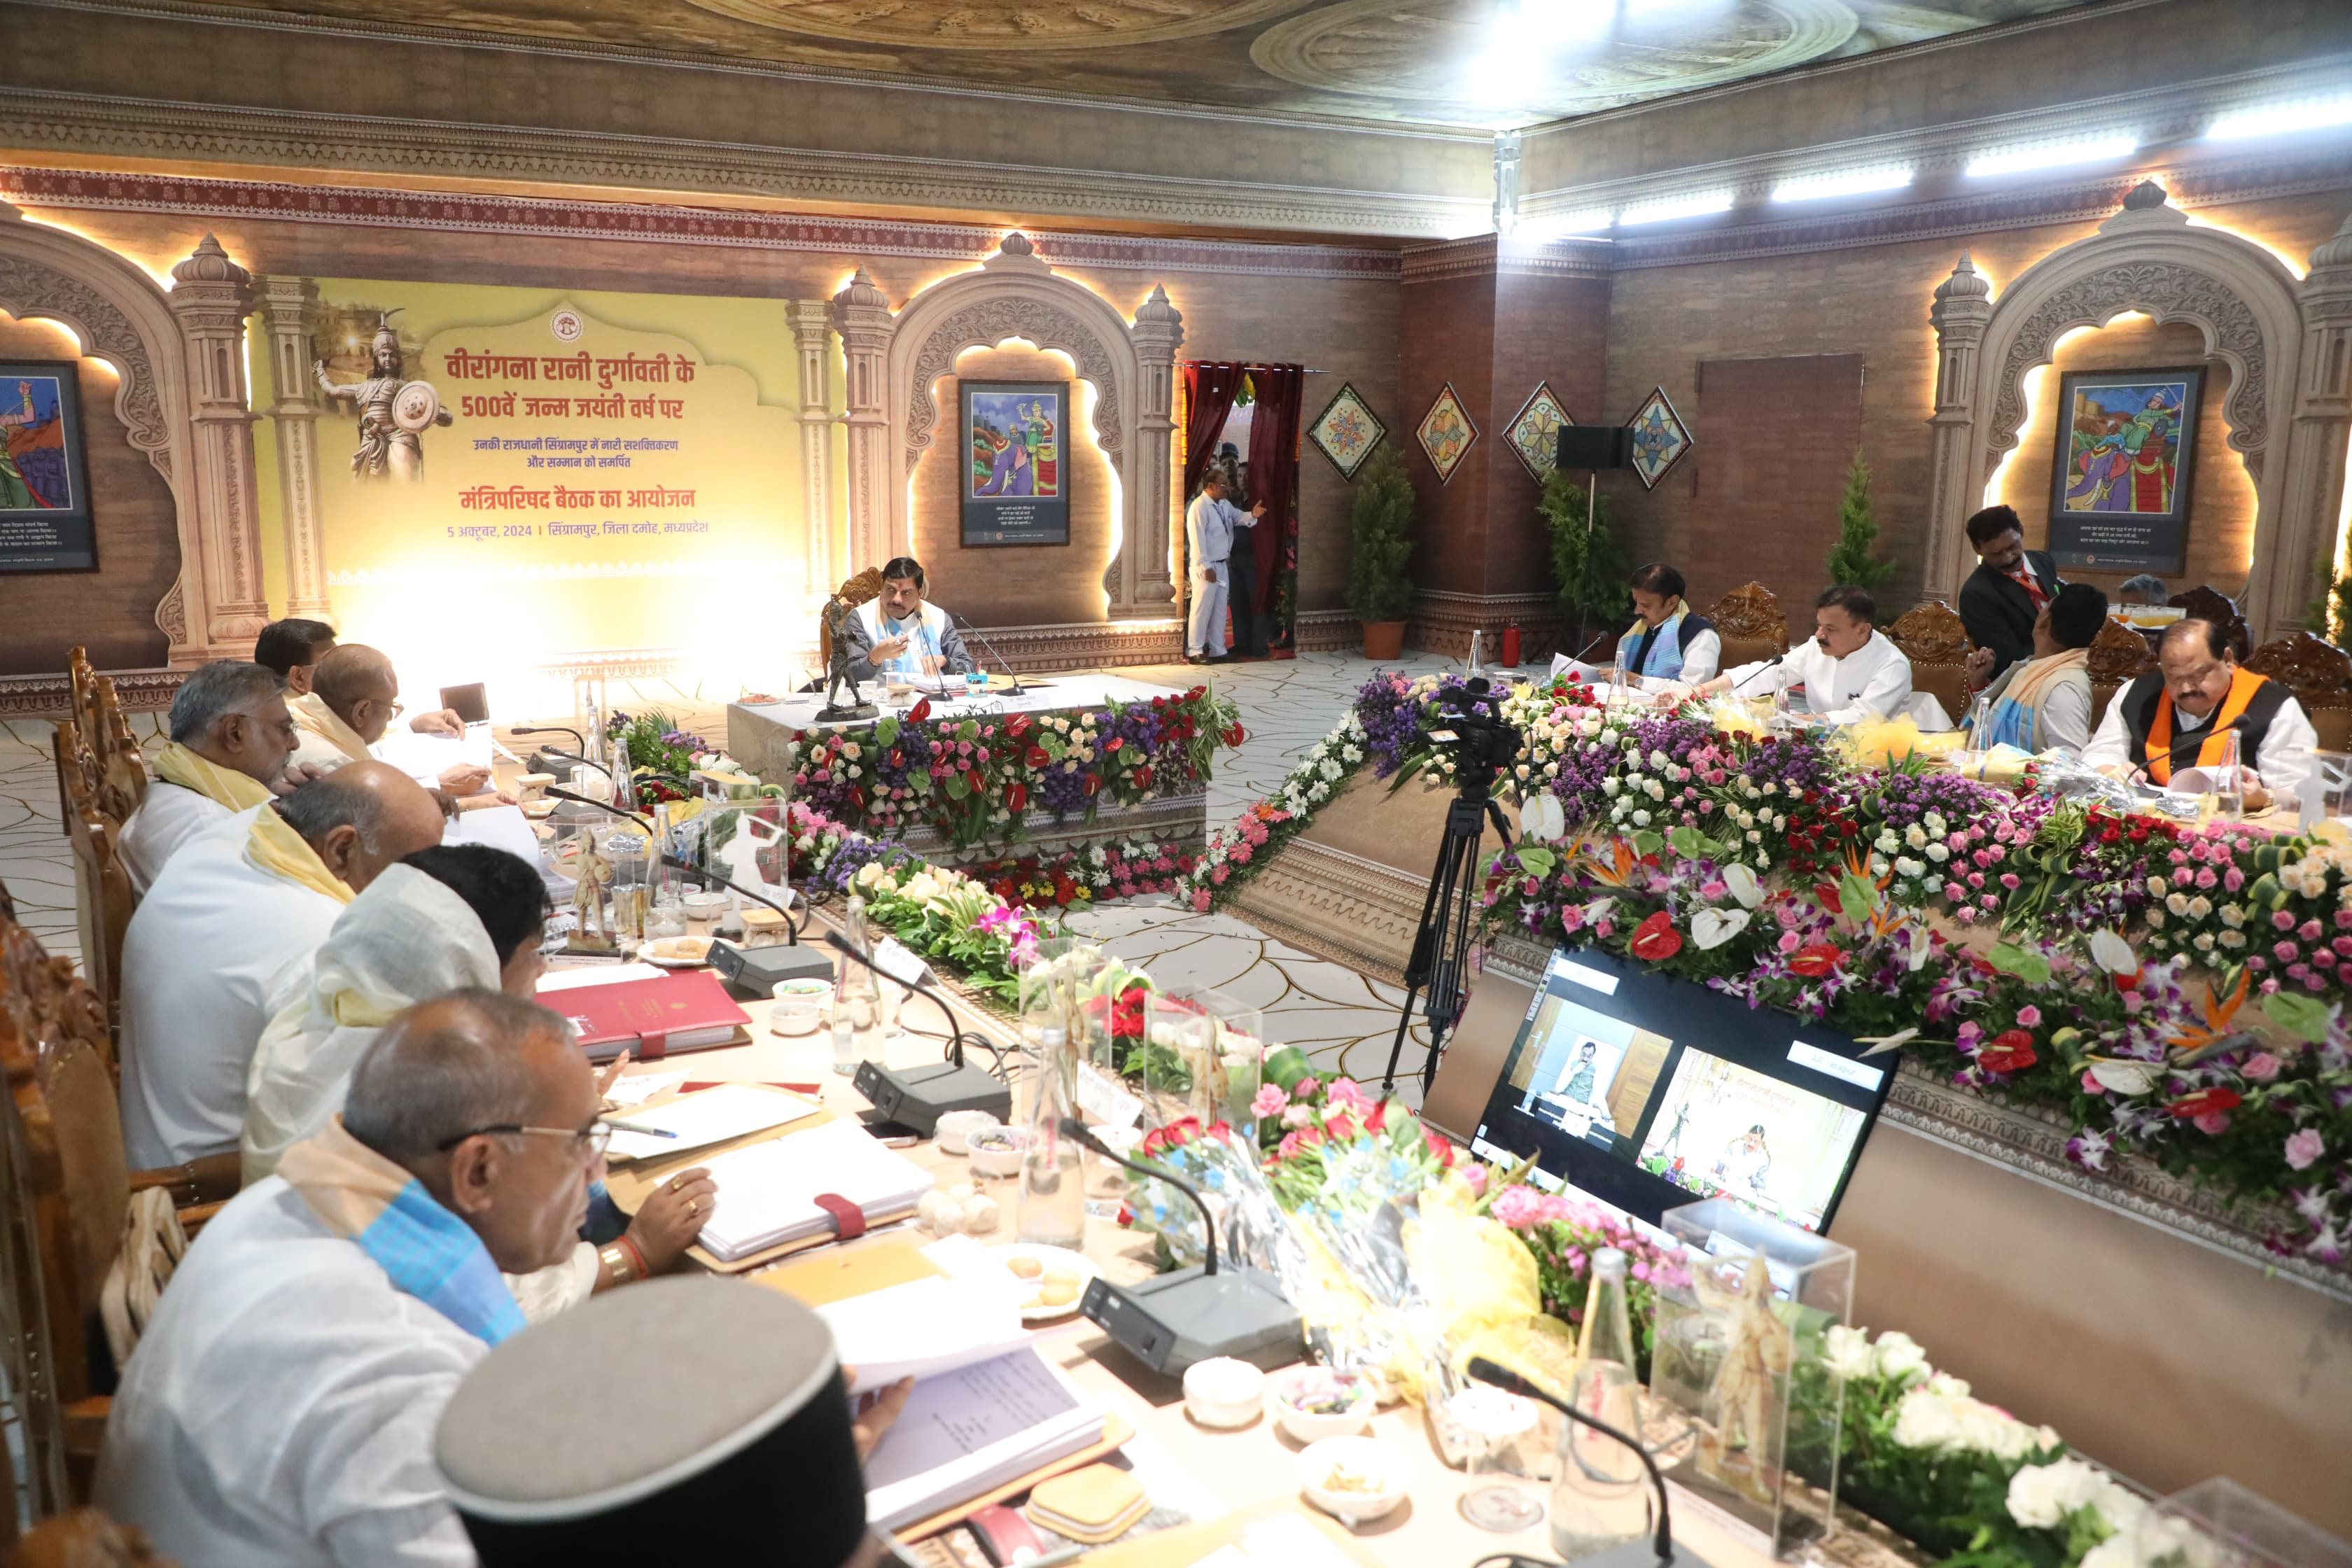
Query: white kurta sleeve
[[360, 1462], [2066, 716], [2285, 761], [1702, 658], [2110, 744], [1882, 695]]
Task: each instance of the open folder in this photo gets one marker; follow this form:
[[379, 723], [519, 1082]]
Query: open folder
[[967, 1432], [769, 1194]]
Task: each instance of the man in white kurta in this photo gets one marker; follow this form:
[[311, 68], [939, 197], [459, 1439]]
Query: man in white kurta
[[1212, 523], [1849, 671], [279, 1410], [231, 735], [900, 636], [2197, 681], [231, 912], [352, 701]]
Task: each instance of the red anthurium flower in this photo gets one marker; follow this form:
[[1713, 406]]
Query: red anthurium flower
[[1814, 961], [1196, 694], [1439, 1147], [1236, 735], [1093, 782], [2203, 1102], [1342, 1128], [898, 758], [1377, 1122], [1656, 939], [1017, 726], [1016, 797], [2011, 1050], [856, 799], [1826, 895], [1035, 757], [1113, 744], [920, 711], [1143, 776]]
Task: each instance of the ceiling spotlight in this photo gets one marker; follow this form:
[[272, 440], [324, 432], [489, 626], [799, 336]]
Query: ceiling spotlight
[[2053, 155], [1860, 182], [2282, 119], [1698, 205]]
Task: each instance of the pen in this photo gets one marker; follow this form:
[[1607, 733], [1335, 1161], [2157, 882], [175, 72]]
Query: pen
[[634, 1127]]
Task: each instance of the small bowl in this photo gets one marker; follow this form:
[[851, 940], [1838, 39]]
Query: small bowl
[[996, 1150], [1223, 1393], [1365, 1459], [1351, 1394], [957, 1125], [796, 1016]]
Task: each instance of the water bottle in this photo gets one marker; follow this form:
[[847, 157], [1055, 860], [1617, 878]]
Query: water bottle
[[1053, 1187], [857, 1000], [1601, 1499]]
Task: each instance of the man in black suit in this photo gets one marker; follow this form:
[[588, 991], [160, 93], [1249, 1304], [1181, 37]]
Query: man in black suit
[[2005, 594]]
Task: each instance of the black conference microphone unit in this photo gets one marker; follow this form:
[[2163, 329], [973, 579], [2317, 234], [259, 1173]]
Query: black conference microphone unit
[[754, 973], [544, 759], [918, 1097], [967, 625], [1171, 1321], [1660, 1549]]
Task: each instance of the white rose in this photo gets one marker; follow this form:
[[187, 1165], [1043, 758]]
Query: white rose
[[2178, 903], [2115, 1551], [1887, 843], [1923, 1419], [1916, 836], [2200, 906], [1846, 1351], [2042, 1496], [1641, 819], [1938, 854], [2232, 916], [1899, 1356]]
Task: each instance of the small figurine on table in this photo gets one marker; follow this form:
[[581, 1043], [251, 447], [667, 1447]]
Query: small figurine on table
[[836, 668], [593, 872], [1757, 1348]]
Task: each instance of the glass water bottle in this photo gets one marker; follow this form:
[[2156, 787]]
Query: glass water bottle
[[1053, 1187], [857, 999], [1601, 1499]]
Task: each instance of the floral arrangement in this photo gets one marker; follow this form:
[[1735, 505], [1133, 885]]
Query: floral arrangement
[[1124, 869], [1232, 856], [975, 779], [1335, 1150], [660, 754], [1563, 1233]]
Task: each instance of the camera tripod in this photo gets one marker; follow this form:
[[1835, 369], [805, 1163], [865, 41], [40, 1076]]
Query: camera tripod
[[1441, 944]]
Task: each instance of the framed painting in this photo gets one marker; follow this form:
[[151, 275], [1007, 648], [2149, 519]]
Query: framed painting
[[1446, 433], [1533, 432], [1660, 438], [2125, 457], [1016, 477], [1346, 431], [45, 520]]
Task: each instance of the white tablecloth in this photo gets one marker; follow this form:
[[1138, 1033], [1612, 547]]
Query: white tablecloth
[[1041, 694]]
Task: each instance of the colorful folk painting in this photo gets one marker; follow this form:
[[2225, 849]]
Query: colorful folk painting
[[1016, 448], [1660, 438], [1534, 431], [34, 473], [1446, 433], [1346, 431], [2124, 441]]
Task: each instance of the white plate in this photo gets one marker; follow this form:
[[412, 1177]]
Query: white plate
[[1054, 1258], [646, 955]]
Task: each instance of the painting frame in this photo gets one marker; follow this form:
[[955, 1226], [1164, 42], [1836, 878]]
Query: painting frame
[[1539, 455], [2126, 539], [1652, 473], [1319, 434], [995, 418], [45, 521], [1444, 456]]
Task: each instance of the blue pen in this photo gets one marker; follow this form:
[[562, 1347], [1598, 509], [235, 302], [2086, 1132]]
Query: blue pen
[[633, 1127]]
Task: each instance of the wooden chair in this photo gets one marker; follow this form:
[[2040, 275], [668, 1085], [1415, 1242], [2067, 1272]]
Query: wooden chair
[[2209, 603], [2320, 675], [1931, 636], [85, 1538], [119, 757], [1749, 621], [103, 898], [70, 1192], [2118, 656], [858, 590]]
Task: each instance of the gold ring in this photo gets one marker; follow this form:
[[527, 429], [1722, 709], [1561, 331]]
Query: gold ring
[[692, 1208]]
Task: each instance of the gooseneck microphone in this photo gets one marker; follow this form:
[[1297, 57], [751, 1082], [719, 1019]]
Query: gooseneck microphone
[[1077, 1132], [577, 738], [991, 647]]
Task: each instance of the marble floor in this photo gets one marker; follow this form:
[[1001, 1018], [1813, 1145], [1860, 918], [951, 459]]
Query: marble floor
[[1340, 1018]]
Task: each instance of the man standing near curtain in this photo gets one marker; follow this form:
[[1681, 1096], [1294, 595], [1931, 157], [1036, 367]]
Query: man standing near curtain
[[1211, 525]]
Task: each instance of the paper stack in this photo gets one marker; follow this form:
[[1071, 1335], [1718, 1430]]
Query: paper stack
[[698, 1120], [967, 1432], [768, 1193]]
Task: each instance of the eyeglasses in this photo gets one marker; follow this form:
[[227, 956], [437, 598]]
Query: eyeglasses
[[587, 1143], [396, 709]]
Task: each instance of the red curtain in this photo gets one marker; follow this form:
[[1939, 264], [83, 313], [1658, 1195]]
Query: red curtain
[[1208, 390], [1273, 477]]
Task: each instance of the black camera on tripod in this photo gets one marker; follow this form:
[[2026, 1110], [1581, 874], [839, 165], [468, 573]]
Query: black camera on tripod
[[1480, 744]]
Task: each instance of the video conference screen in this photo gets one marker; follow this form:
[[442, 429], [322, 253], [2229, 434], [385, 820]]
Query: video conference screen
[[1650, 1092]]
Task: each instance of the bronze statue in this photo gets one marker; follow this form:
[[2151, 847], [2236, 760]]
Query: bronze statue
[[836, 668]]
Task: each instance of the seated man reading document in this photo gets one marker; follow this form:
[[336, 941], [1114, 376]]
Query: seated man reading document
[[1668, 640], [2043, 703], [2172, 720], [230, 738], [1850, 673], [352, 703], [280, 1406], [899, 635]]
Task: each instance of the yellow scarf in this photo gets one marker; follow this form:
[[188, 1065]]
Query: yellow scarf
[[312, 716], [176, 764], [277, 850]]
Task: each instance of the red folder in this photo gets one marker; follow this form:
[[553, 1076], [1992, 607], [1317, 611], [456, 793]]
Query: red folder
[[686, 1011]]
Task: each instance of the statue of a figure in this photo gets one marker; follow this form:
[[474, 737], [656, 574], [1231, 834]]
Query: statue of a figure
[[594, 875], [1757, 1348], [393, 414], [838, 678]]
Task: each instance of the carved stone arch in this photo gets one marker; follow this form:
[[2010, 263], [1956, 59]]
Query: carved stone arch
[[188, 418], [2151, 259], [896, 360]]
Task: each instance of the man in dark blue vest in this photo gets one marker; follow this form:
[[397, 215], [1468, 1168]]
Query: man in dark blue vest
[[1668, 640]]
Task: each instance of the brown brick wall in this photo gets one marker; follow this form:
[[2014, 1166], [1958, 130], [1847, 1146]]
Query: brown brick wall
[[1764, 490], [1447, 334]]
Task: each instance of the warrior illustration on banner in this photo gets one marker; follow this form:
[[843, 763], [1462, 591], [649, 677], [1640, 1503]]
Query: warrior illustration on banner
[[1012, 445], [33, 475], [2126, 448], [394, 414]]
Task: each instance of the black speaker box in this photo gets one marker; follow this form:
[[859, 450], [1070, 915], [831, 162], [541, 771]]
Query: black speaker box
[[1585, 448]]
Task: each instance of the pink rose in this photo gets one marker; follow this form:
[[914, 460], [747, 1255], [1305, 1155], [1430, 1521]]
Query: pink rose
[[2284, 920], [1298, 1115], [1476, 1177], [2286, 951], [2212, 1124], [2262, 1067], [2304, 1148], [2028, 1016], [1518, 1207], [1268, 1099], [1790, 941]]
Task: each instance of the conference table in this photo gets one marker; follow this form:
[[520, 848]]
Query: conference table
[[1255, 1467]]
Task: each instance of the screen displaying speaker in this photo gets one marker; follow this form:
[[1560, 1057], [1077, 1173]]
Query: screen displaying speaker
[[1584, 447]]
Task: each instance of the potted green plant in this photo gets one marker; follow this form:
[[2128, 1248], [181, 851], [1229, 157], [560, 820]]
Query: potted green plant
[[1378, 588], [1586, 558]]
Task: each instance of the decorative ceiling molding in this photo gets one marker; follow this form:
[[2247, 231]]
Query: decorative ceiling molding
[[1484, 256], [103, 191], [175, 134]]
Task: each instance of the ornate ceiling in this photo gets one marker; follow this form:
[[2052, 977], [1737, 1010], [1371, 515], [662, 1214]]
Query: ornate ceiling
[[1442, 62]]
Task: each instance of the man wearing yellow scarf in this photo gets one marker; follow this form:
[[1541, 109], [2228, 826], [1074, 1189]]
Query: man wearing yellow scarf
[[235, 910], [230, 738], [352, 701]]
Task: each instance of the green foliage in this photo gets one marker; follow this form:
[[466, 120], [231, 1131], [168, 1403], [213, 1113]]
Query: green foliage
[[2336, 613], [1587, 562], [1854, 558], [1378, 586]]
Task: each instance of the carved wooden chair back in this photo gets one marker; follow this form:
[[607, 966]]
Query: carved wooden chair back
[[1931, 636], [1751, 623], [119, 757], [2317, 672], [2119, 655], [2206, 603], [858, 590], [103, 896]]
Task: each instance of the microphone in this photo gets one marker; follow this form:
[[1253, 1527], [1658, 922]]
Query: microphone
[[575, 757], [1663, 1543], [991, 646], [578, 739], [630, 817], [1752, 674], [679, 863], [1078, 1132], [918, 1097]]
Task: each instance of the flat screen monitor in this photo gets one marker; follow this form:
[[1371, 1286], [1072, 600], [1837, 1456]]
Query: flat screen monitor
[[1650, 1092]]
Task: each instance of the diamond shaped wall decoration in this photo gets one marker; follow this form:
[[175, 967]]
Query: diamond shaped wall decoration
[[1446, 433], [1534, 431], [1346, 431], [1660, 438]]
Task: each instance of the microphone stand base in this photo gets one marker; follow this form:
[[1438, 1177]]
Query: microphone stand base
[[1171, 1321], [1641, 1552]]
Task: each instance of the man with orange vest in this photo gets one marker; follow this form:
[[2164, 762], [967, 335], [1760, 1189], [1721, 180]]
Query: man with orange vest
[[2168, 723]]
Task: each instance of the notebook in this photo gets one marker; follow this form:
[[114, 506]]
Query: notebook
[[768, 1191], [714, 1116], [967, 1432], [685, 1011]]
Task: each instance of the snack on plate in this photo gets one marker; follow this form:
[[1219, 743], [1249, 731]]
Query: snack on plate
[[680, 949], [1027, 1267]]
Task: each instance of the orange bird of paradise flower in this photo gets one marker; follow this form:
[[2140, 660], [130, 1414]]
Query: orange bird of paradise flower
[[2215, 1029], [1617, 871]]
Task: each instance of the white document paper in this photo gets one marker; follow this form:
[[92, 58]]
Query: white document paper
[[636, 1088], [573, 978], [423, 757], [965, 1432], [730, 1111], [766, 1193], [500, 827], [925, 1327]]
